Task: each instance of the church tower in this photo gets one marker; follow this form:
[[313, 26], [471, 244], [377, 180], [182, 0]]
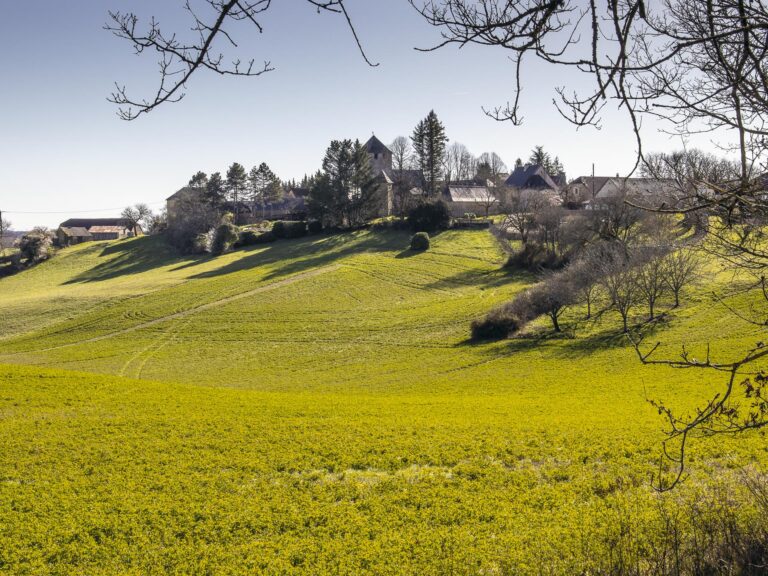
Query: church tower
[[381, 167], [380, 155]]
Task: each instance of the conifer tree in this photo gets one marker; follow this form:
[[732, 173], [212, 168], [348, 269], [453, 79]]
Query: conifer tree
[[345, 193], [214, 190], [199, 180], [429, 147], [263, 187], [235, 186]]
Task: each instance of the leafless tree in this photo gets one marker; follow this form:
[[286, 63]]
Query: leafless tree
[[583, 280], [5, 228], [681, 269], [135, 215], [618, 277], [614, 219], [651, 276], [458, 162], [690, 167], [181, 56], [523, 207], [488, 198], [549, 220], [496, 166], [552, 297], [402, 161], [698, 66]]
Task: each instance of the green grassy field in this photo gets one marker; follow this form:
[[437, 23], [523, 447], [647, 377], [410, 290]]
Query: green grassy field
[[314, 407]]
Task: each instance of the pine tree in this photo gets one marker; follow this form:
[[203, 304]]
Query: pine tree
[[263, 187], [199, 180], [539, 157], [429, 147], [235, 186], [214, 191], [345, 193]]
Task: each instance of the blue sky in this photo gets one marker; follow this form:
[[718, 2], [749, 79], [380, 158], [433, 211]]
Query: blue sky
[[65, 153]]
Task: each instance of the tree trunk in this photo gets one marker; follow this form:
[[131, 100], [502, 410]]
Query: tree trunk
[[555, 323]]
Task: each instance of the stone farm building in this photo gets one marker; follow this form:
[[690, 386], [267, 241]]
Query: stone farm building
[[78, 230], [591, 191], [471, 197]]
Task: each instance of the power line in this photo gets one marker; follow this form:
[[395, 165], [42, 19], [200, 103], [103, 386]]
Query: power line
[[77, 211]]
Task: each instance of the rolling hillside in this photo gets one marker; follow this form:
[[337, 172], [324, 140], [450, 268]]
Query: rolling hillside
[[313, 406]]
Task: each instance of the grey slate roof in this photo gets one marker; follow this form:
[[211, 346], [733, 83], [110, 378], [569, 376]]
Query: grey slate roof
[[185, 191], [376, 146], [531, 176], [90, 222]]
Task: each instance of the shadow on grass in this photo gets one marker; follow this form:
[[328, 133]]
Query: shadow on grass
[[613, 339], [131, 256], [483, 279], [307, 253]]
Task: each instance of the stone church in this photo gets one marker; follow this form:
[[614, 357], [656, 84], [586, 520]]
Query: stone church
[[381, 166]]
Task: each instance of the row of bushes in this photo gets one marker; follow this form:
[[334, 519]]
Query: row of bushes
[[427, 217], [227, 236]]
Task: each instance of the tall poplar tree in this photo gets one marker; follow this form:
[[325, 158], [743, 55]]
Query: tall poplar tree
[[429, 147]]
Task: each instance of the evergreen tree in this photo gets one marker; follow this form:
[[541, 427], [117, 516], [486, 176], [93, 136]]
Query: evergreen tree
[[214, 191], [345, 193], [484, 171], [539, 157], [518, 163], [429, 147], [199, 180], [263, 187], [235, 186]]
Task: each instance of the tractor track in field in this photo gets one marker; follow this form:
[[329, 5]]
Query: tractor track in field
[[190, 311]]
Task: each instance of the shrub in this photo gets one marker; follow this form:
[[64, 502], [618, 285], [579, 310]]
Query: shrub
[[287, 229], [199, 244], [36, 245], [420, 241], [251, 237], [314, 227], [390, 223], [497, 325], [534, 257], [224, 238], [430, 217]]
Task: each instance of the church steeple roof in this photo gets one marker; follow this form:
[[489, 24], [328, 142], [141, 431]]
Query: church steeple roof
[[375, 146]]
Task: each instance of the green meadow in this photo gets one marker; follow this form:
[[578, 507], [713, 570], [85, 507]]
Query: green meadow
[[314, 407]]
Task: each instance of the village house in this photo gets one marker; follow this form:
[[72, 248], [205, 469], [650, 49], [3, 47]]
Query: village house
[[591, 191], [77, 230], [534, 179]]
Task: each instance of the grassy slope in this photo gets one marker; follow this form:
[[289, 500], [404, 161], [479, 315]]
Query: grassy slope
[[345, 425]]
